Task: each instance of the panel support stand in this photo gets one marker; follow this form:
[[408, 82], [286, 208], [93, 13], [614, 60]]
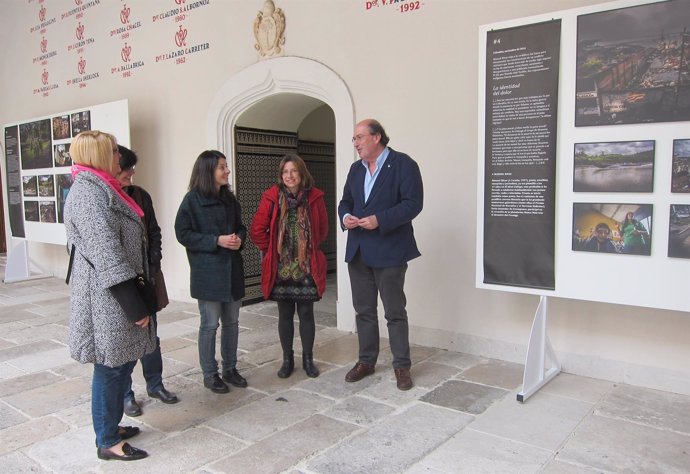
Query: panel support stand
[[541, 364], [17, 268]]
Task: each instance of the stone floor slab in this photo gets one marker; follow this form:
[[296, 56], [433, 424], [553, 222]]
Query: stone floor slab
[[23, 349], [58, 454], [10, 417], [464, 396], [662, 410], [27, 382], [47, 399], [264, 417], [286, 448], [393, 445], [496, 373], [31, 432], [41, 361], [578, 387], [430, 374], [18, 463], [473, 452], [359, 411], [183, 452], [544, 421], [621, 446]]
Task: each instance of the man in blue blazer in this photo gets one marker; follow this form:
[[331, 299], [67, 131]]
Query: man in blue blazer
[[382, 194]]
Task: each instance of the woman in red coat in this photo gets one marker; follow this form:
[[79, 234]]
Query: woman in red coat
[[288, 228]]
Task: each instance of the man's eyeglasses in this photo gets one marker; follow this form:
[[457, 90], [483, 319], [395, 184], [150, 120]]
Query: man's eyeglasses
[[358, 138]]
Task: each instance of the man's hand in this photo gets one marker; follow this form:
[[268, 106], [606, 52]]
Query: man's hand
[[369, 222], [351, 222]]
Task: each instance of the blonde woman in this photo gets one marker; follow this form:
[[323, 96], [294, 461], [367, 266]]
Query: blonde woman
[[109, 322]]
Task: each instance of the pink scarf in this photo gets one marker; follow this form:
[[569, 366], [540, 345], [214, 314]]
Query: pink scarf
[[112, 182]]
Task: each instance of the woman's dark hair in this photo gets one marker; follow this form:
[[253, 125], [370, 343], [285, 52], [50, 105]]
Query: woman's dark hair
[[203, 178], [375, 128], [306, 180], [127, 158]]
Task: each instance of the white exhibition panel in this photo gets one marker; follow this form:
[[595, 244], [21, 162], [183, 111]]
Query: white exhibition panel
[[655, 281], [112, 117]]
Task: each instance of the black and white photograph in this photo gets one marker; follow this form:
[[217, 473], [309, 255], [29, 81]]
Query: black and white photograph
[[633, 65], [612, 228], [614, 167]]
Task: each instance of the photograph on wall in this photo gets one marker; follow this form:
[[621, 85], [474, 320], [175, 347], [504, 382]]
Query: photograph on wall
[[680, 174], [679, 231], [614, 167], [61, 127], [81, 121], [31, 211], [47, 211], [612, 228], [633, 65], [30, 186], [35, 145], [46, 185], [61, 155], [64, 183]]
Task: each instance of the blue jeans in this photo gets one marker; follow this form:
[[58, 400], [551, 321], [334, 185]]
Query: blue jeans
[[107, 401], [152, 366], [228, 314]]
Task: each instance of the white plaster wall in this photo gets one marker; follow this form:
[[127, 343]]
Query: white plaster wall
[[416, 72]]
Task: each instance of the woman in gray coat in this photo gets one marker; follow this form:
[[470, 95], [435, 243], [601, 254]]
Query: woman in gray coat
[[209, 225], [109, 321]]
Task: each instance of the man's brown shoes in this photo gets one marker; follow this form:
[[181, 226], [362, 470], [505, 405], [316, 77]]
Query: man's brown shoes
[[359, 371], [402, 375]]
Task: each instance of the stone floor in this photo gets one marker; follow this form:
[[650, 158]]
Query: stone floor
[[461, 416]]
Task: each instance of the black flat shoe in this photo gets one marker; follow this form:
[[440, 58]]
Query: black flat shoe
[[130, 454], [164, 396], [234, 378], [127, 432], [132, 408]]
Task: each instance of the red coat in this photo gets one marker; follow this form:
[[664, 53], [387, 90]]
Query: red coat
[[264, 233]]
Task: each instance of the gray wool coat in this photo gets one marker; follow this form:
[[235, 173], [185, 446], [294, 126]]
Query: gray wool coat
[[110, 235]]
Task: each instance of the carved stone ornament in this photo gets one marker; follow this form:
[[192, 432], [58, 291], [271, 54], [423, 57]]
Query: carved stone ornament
[[269, 30]]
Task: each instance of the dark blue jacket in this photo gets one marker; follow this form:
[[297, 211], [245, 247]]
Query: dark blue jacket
[[396, 198], [216, 272]]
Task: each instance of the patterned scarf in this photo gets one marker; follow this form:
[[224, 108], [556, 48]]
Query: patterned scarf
[[286, 236], [110, 181]]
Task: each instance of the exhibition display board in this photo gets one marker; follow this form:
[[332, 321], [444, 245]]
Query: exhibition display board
[[38, 166], [601, 96]]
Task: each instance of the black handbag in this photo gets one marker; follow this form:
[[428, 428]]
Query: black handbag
[[147, 292]]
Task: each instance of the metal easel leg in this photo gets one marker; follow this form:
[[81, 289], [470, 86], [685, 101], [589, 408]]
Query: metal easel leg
[[541, 364]]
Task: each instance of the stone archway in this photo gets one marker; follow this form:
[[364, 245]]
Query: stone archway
[[297, 76]]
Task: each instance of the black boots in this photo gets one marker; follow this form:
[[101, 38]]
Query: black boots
[[288, 365], [308, 365]]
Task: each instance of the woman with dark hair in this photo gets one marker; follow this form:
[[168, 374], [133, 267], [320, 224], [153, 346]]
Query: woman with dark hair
[[288, 228], [209, 225], [151, 364]]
